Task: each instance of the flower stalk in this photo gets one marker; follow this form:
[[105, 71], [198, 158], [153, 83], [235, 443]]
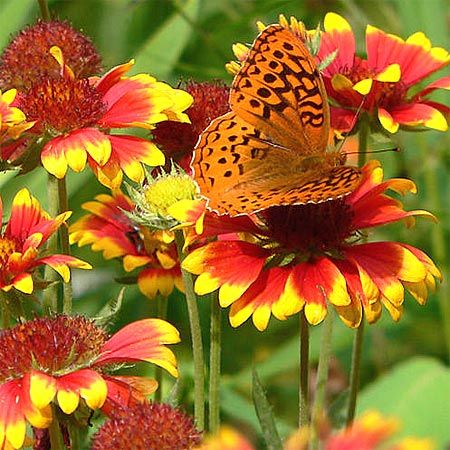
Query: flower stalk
[[303, 400], [214, 365], [197, 346], [355, 372], [56, 437], [161, 313], [322, 377], [45, 12], [63, 205], [50, 301]]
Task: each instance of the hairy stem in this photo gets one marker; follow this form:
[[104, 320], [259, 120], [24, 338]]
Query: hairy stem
[[214, 365], [303, 398], [196, 336]]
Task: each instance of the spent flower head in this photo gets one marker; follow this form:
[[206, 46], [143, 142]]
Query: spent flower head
[[27, 59], [160, 426]]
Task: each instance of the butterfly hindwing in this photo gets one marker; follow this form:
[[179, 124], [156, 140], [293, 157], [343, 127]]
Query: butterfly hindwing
[[231, 164]]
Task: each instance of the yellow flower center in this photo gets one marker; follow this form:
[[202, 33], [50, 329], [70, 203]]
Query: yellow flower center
[[7, 247], [168, 190]]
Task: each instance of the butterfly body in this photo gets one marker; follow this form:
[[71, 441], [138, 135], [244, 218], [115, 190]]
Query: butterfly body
[[271, 148]]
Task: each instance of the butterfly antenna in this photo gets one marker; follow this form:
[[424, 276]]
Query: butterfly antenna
[[355, 118]]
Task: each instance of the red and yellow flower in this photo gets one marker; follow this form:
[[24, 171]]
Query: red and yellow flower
[[12, 119], [289, 258], [381, 84], [108, 229], [76, 117], [372, 431], [227, 438], [27, 230], [62, 361]]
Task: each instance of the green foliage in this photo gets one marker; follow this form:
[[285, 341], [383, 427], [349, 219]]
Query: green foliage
[[417, 392], [175, 40]]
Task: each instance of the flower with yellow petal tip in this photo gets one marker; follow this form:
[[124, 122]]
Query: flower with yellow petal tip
[[75, 118], [109, 230], [372, 431], [62, 360], [381, 84], [13, 121], [227, 438], [308, 257], [26, 232]]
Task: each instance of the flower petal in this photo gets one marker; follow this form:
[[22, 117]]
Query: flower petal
[[142, 341], [220, 264], [42, 389]]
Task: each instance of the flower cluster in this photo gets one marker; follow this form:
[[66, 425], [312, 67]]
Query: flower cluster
[[74, 115], [68, 360]]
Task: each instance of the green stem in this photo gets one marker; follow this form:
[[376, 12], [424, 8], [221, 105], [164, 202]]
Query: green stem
[[161, 314], [355, 371], [50, 301], [197, 346], [45, 12], [63, 206], [214, 365], [303, 398], [438, 242], [358, 339], [56, 437], [322, 377]]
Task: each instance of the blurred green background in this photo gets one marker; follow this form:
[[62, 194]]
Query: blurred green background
[[405, 365]]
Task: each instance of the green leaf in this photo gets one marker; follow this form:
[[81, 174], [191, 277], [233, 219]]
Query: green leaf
[[13, 16], [265, 415], [163, 49], [110, 311], [417, 392]]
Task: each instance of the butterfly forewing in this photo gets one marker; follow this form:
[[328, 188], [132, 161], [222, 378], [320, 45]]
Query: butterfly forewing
[[271, 148], [279, 91]]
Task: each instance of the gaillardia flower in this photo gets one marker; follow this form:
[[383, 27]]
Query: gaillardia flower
[[308, 257], [108, 229], [177, 139], [75, 117], [160, 427], [372, 431], [26, 59], [27, 230], [227, 438], [67, 360], [382, 83], [12, 122]]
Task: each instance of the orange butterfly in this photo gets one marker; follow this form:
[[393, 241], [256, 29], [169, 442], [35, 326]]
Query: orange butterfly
[[271, 148]]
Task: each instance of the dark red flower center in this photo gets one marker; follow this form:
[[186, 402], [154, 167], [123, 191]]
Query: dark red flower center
[[309, 229], [53, 345], [178, 139], [60, 105]]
